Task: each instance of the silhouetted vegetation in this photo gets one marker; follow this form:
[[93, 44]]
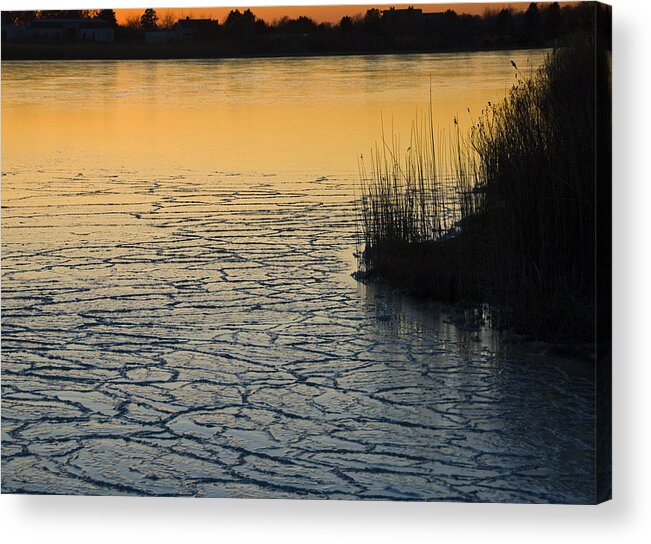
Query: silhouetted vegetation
[[149, 20], [107, 15], [242, 33], [505, 216]]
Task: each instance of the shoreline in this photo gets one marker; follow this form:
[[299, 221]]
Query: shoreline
[[54, 52], [522, 242], [473, 317]]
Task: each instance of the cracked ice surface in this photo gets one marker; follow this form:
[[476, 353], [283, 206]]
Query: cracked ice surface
[[200, 335]]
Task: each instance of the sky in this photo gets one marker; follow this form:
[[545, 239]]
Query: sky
[[327, 13]]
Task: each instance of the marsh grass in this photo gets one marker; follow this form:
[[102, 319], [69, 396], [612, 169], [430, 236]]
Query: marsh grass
[[505, 215]]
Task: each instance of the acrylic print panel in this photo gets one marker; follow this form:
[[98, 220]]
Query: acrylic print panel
[[342, 252]]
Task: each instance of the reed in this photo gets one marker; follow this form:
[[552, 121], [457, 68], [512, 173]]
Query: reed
[[412, 208], [537, 163], [505, 215]]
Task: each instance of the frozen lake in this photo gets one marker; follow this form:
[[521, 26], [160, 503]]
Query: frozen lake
[[178, 312]]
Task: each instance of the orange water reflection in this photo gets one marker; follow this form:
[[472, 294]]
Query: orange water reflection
[[281, 116]]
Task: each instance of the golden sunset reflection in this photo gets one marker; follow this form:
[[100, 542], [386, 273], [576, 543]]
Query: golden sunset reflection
[[308, 116]]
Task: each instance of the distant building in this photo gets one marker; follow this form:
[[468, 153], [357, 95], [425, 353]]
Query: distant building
[[97, 31], [184, 30], [14, 32], [73, 30], [403, 21], [402, 13], [410, 20], [438, 16], [191, 29]]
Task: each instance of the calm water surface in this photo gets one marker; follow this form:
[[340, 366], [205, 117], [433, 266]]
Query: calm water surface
[[178, 312]]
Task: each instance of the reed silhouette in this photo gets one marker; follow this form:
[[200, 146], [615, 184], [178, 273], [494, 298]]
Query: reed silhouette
[[505, 215]]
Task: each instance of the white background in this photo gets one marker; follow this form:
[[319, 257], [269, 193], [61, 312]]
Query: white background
[[624, 519]]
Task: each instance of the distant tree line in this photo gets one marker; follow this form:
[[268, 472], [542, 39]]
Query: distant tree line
[[241, 32], [25, 17]]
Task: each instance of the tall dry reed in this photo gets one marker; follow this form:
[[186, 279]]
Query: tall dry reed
[[505, 215]]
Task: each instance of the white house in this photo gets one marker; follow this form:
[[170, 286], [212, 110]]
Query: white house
[[184, 29], [96, 31], [14, 32], [91, 30]]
